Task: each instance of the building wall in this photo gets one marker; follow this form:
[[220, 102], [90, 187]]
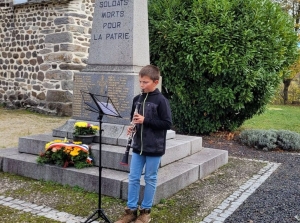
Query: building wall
[[42, 44]]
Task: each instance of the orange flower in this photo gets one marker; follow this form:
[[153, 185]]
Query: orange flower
[[54, 149]]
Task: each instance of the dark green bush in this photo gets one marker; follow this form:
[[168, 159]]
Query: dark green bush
[[220, 59], [271, 139]]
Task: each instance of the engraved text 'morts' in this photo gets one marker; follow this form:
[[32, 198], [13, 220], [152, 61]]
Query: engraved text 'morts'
[[106, 4], [113, 14]]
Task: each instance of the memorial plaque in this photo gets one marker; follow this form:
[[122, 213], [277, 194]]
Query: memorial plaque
[[120, 88]]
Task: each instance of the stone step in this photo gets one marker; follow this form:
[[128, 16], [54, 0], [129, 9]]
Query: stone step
[[176, 149], [179, 147], [171, 178]]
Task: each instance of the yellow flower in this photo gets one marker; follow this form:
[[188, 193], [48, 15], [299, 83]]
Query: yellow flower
[[47, 145], [77, 142], [75, 152], [56, 140], [95, 127], [81, 124], [51, 142]]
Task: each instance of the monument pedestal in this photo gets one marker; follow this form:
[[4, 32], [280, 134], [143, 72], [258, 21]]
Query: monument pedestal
[[185, 162]]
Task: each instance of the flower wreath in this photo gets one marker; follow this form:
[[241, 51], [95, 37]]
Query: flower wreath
[[66, 153]]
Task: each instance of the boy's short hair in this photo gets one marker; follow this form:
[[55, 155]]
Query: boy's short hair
[[150, 71]]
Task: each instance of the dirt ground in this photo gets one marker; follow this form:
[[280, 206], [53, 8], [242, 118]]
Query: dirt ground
[[18, 123]]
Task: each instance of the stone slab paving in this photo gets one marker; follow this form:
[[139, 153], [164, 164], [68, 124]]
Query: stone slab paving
[[40, 210], [218, 215]]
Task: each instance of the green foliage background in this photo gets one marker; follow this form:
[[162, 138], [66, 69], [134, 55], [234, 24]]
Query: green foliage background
[[219, 58]]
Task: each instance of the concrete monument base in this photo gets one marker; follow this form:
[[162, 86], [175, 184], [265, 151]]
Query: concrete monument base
[[185, 162]]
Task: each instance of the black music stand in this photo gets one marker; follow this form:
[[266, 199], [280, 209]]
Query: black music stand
[[103, 106]]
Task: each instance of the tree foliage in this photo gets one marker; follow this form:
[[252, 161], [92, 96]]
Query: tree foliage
[[219, 58], [288, 75], [293, 8]]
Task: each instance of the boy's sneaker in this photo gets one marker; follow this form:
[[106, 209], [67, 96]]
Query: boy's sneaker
[[129, 216], [144, 216]]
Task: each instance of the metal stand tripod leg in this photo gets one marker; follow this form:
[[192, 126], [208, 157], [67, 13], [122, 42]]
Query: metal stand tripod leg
[[99, 212], [96, 215]]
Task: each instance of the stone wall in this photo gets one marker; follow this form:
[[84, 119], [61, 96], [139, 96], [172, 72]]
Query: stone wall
[[42, 44]]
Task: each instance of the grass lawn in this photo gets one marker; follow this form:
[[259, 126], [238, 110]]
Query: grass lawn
[[284, 117], [19, 123]]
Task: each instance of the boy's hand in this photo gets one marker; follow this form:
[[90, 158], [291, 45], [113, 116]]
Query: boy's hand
[[138, 119], [130, 129]]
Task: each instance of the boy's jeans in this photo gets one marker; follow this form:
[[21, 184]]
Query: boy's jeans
[[136, 167]]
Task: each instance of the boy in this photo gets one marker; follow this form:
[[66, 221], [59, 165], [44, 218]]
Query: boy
[[149, 143]]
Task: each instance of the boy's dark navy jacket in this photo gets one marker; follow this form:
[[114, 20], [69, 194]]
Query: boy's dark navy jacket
[[150, 138]]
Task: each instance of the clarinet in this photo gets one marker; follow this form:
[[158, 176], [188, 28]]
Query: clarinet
[[124, 161]]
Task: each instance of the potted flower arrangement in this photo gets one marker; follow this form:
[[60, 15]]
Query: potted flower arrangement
[[84, 132], [66, 153]]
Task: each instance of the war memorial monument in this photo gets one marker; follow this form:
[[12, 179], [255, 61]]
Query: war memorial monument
[[119, 48]]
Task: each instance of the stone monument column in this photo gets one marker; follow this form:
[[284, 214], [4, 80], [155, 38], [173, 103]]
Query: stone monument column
[[119, 48]]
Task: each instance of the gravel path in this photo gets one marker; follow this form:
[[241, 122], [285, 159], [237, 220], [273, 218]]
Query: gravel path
[[278, 198]]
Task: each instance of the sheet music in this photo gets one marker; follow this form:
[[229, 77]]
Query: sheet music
[[91, 107], [99, 104], [108, 108]]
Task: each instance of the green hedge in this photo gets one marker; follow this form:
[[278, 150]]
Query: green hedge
[[220, 59]]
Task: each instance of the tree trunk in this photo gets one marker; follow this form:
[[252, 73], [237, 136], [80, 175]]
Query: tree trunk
[[286, 83]]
